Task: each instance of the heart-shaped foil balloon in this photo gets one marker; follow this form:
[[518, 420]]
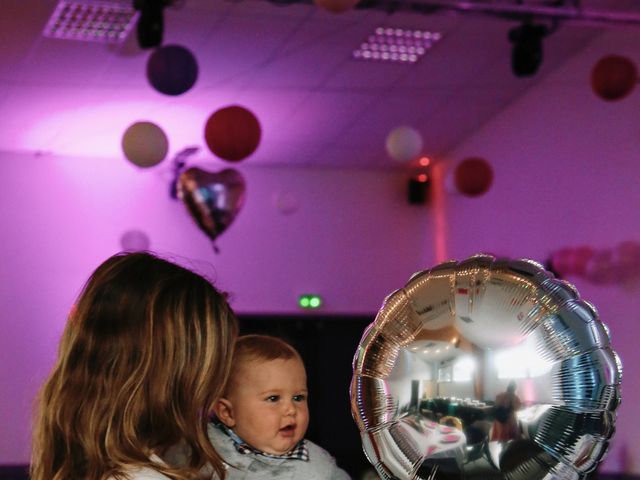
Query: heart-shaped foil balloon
[[213, 199], [485, 369]]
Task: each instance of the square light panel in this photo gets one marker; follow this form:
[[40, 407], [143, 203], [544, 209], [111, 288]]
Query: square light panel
[[92, 21], [398, 45]]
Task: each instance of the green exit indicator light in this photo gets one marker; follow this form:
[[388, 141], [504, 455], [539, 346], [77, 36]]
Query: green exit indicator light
[[310, 301]]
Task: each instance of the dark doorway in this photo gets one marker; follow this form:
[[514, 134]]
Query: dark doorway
[[327, 345]]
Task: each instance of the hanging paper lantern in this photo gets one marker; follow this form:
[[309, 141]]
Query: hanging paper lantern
[[613, 77], [232, 133], [172, 70], [473, 176], [145, 144], [404, 144], [134, 241], [336, 6]]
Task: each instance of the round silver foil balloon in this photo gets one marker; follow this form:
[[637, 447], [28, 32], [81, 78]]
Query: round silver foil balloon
[[485, 369]]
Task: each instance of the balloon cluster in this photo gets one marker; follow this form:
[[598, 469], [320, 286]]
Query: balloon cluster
[[620, 264], [232, 133], [472, 177]]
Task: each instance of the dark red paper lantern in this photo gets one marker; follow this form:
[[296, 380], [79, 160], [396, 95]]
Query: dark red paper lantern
[[473, 176], [613, 77], [232, 133], [172, 69]]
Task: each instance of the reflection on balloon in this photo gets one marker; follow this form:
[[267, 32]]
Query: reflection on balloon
[[213, 199], [404, 144], [172, 69], [485, 369], [232, 133], [145, 144], [613, 77]]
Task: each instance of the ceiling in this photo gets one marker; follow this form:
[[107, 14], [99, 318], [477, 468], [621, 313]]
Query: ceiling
[[290, 64]]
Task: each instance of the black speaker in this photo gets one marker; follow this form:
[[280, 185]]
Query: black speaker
[[150, 26], [417, 191]]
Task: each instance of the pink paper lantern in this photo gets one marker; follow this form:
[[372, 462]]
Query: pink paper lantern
[[232, 133], [613, 77], [473, 176], [336, 6]]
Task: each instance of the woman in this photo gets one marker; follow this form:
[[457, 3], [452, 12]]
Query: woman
[[145, 353], [505, 427]]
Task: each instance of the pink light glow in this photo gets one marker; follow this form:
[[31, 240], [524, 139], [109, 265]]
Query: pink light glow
[[528, 390], [440, 214]]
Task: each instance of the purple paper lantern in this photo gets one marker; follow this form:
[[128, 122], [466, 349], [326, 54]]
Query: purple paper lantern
[[172, 70]]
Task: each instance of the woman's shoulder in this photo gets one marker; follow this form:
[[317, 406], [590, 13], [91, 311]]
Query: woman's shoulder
[[143, 474]]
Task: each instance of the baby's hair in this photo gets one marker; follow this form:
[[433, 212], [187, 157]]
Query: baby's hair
[[262, 348], [134, 373]]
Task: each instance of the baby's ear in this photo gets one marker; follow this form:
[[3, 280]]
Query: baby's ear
[[223, 409]]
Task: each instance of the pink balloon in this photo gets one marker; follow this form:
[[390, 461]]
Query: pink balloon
[[561, 261], [627, 259], [580, 257], [600, 268]]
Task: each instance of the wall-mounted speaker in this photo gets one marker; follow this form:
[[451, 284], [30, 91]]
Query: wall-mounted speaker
[[417, 190]]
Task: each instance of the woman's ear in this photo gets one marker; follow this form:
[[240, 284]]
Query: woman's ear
[[223, 409]]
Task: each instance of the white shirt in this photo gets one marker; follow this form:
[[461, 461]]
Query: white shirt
[[144, 473]]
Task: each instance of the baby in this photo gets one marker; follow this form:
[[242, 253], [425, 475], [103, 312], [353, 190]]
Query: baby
[[263, 416]]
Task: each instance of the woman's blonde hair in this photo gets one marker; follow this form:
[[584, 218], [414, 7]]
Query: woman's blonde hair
[[145, 353]]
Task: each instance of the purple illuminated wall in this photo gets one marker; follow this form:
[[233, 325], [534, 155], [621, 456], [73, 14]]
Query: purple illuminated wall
[[566, 174], [353, 239]]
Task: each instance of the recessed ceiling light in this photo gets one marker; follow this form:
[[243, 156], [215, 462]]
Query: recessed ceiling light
[[398, 45], [94, 21]]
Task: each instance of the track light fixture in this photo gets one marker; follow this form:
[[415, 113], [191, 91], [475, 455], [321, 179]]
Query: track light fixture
[[527, 52], [150, 26]]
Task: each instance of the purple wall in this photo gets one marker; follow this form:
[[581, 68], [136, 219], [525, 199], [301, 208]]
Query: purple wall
[[566, 174], [353, 239]]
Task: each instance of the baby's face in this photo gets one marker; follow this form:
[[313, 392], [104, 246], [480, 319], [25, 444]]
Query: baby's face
[[269, 401]]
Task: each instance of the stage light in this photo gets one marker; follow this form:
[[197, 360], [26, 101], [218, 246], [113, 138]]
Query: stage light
[[150, 26], [527, 52]]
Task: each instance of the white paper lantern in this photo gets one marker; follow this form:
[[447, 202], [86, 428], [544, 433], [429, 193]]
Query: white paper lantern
[[145, 144], [404, 144]]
